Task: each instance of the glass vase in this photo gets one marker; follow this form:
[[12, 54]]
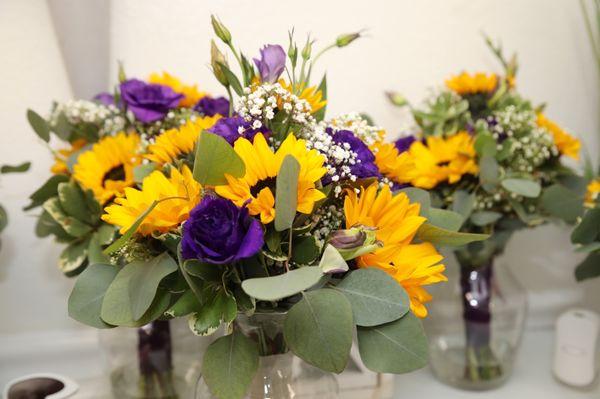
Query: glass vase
[[159, 360], [475, 325], [280, 374]]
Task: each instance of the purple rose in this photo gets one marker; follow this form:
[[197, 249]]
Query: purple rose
[[271, 63], [404, 143], [364, 165], [148, 102], [210, 106], [219, 232], [235, 127], [105, 98]]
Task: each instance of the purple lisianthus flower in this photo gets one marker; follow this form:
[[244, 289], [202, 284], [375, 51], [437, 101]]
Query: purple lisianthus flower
[[271, 63], [219, 232], [235, 127], [105, 98], [364, 161], [148, 102], [210, 106], [404, 143]]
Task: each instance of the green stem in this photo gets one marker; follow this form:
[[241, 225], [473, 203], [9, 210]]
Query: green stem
[[191, 283], [230, 101]]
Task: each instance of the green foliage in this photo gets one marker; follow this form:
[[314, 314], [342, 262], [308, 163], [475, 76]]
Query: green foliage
[[141, 171], [484, 218], [588, 230], [3, 218], [85, 301], [525, 187], [332, 261], [376, 298], [562, 203], [305, 250], [24, 167], [39, 125], [443, 237], [134, 290], [446, 114], [218, 307], [205, 271], [229, 365], [284, 285], [445, 219], [214, 159], [286, 197], [589, 268], [47, 191], [489, 173], [462, 203], [397, 347], [318, 329], [320, 114]]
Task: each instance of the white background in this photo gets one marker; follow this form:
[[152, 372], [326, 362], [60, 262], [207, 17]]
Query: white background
[[69, 47]]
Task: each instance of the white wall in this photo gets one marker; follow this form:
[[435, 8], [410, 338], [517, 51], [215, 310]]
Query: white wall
[[410, 46]]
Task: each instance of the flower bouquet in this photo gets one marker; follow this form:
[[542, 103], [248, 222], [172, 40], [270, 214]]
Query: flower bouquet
[[586, 234], [490, 155], [112, 146], [272, 221]]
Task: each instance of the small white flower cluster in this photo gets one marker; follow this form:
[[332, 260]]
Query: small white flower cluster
[[326, 219], [259, 103], [339, 157], [530, 145], [106, 117], [358, 125]]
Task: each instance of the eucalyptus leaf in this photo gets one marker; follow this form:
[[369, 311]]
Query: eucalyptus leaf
[[229, 365], [489, 173], [140, 172], [445, 219], [376, 298], [318, 329], [284, 285], [205, 271], [561, 202], [588, 230], [24, 167], [589, 268], [48, 190], [463, 203], [398, 347], [286, 197], [524, 187], [39, 125], [483, 218], [214, 159], [305, 250], [85, 301], [438, 236], [485, 145]]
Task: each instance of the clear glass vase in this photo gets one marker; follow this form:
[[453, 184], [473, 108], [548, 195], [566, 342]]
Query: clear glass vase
[[159, 360], [280, 374], [475, 325]]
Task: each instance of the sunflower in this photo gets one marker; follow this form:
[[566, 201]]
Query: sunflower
[[467, 83], [179, 193], [180, 141], [61, 157], [441, 159], [593, 191], [397, 167], [107, 168], [312, 95], [262, 165], [191, 93], [397, 222], [566, 144]]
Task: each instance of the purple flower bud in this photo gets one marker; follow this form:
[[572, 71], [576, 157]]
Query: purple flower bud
[[210, 106], [105, 98], [271, 63], [235, 127]]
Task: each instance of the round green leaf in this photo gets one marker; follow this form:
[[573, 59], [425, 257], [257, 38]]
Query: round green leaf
[[229, 365], [39, 125], [214, 159], [524, 187], [398, 347], [85, 301], [588, 230], [563, 203], [278, 287], [376, 298], [318, 329]]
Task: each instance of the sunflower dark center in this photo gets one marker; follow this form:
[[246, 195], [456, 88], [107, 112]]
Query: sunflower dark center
[[443, 163], [116, 173], [268, 182]]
